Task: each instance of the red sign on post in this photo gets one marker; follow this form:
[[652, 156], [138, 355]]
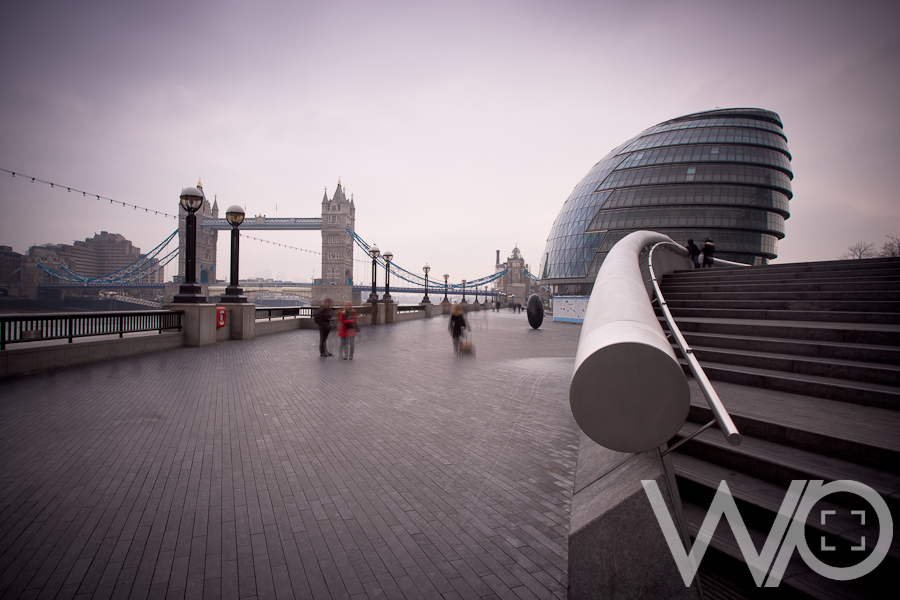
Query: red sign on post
[[220, 316]]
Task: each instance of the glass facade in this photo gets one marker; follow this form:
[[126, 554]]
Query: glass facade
[[724, 174]]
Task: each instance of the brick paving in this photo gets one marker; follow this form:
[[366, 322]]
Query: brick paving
[[257, 469]]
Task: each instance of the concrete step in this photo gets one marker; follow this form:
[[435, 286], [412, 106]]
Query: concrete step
[[837, 267], [724, 557], [860, 434], [766, 275], [847, 333], [848, 370], [854, 392], [740, 285], [784, 315], [779, 464], [699, 295], [759, 502], [866, 306], [837, 351]]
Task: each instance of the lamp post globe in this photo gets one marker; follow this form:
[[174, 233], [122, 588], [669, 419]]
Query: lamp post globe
[[233, 293], [374, 252], [426, 299], [191, 199], [388, 257], [189, 292], [446, 277]]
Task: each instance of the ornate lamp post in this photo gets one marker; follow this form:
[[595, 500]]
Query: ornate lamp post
[[426, 299], [446, 277], [388, 257], [234, 216], [374, 252], [189, 292], [464, 291]]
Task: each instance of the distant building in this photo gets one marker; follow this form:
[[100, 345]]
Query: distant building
[[514, 283], [45, 255], [10, 266], [104, 254], [724, 174]]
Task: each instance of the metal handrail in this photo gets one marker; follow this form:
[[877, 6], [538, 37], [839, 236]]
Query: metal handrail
[[720, 414]]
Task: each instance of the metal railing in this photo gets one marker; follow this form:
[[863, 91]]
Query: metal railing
[[410, 308], [282, 312], [720, 415], [59, 326]]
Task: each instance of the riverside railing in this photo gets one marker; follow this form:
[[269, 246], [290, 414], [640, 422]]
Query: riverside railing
[[282, 312], [59, 326]]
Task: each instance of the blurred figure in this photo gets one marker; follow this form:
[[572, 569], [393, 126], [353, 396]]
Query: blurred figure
[[323, 320], [348, 331], [457, 324], [709, 249], [695, 253]]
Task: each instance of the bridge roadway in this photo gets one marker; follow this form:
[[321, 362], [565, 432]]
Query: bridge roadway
[[258, 469]]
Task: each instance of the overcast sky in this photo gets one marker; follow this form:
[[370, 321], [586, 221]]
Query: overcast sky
[[459, 127]]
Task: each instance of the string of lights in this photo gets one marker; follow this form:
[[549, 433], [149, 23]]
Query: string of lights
[[88, 194]]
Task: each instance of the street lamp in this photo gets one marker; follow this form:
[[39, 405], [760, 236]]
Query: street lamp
[[446, 277], [374, 252], [235, 216], [426, 299], [189, 292], [464, 291], [476, 294], [388, 257]]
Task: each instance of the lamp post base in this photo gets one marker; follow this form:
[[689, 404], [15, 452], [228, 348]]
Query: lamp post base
[[233, 295], [426, 300], [373, 299], [189, 293], [387, 299]]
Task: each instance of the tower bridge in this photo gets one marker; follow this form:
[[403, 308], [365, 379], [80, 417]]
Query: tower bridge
[[337, 225]]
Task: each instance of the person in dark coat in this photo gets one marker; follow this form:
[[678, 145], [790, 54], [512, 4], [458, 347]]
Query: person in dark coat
[[709, 249], [323, 320], [695, 253], [456, 326]]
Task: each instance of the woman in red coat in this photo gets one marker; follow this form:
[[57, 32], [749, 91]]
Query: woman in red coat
[[348, 331]]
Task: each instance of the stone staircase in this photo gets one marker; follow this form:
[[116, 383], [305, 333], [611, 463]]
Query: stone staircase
[[806, 358]]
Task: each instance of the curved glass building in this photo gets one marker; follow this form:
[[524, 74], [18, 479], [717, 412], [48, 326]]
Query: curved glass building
[[724, 174]]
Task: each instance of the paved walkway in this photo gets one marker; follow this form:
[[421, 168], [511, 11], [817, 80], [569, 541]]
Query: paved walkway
[[257, 469]]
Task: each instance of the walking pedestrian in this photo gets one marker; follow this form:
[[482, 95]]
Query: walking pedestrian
[[695, 253], [456, 326], [323, 319], [348, 331], [709, 249]]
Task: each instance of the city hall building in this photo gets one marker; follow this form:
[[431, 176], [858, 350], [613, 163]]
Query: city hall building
[[722, 174]]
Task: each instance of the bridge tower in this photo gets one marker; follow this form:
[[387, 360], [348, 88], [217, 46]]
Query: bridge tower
[[206, 241], [338, 215]]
